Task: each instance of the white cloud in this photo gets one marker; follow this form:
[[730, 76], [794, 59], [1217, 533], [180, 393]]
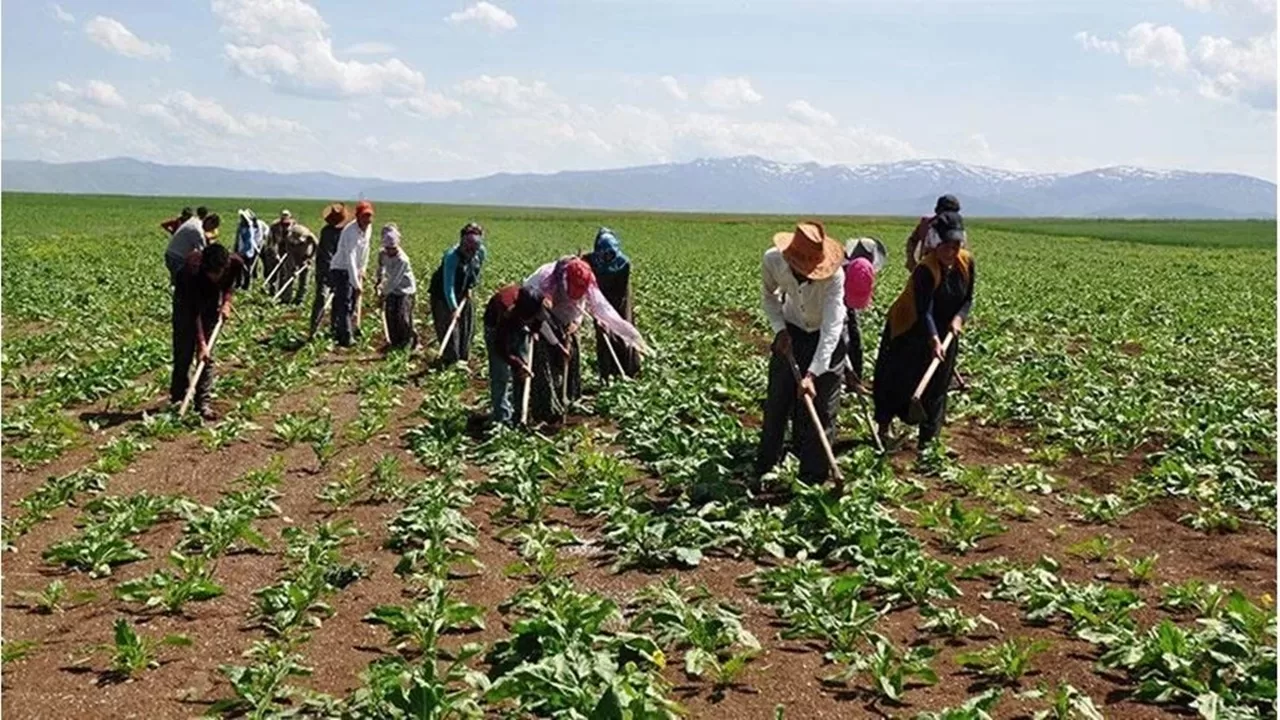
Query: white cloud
[[1220, 68], [727, 93], [182, 109], [427, 105], [506, 91], [1160, 47], [1089, 41], [804, 112], [1246, 71], [58, 114], [285, 44], [114, 36], [97, 92], [485, 14], [370, 48], [672, 86], [61, 15]]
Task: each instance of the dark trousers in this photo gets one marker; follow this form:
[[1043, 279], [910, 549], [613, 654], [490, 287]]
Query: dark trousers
[[782, 405], [459, 347], [342, 313], [317, 305], [546, 397], [293, 295], [900, 365], [853, 339], [184, 353], [270, 259], [398, 310], [246, 277]]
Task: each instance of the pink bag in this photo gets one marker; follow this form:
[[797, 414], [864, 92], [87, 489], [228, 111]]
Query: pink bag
[[859, 284]]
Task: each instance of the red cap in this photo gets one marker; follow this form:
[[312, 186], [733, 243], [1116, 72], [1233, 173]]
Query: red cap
[[578, 278], [364, 207]]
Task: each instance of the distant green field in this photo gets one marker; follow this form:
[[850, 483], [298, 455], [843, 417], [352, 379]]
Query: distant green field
[[1221, 233], [1204, 233]]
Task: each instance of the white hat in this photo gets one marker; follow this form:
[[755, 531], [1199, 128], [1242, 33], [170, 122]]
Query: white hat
[[286, 214], [869, 248]]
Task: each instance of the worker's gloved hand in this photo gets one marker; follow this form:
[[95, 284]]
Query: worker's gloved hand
[[806, 386], [782, 343]]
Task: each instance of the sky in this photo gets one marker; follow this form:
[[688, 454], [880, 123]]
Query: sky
[[443, 89]]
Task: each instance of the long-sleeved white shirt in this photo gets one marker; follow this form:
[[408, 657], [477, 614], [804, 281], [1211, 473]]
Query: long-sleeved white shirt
[[352, 254], [812, 306]]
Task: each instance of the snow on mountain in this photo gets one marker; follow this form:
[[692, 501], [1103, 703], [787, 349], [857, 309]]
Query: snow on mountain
[[735, 184]]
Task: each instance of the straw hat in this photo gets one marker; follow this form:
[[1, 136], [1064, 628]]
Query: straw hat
[[335, 214], [810, 251]]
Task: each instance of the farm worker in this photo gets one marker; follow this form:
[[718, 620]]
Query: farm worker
[[511, 316], [251, 234], [346, 273], [453, 280], [915, 241], [397, 289], [172, 224], [935, 301], [802, 288], [202, 295], [612, 269], [273, 251], [567, 287], [192, 235], [864, 257], [299, 247], [335, 216]]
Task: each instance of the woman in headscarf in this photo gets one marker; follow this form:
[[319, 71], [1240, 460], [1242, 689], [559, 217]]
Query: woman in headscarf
[[612, 269], [935, 303], [397, 288], [568, 289], [864, 257], [451, 285]]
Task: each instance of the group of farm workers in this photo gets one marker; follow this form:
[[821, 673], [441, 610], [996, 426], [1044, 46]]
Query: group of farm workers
[[813, 290]]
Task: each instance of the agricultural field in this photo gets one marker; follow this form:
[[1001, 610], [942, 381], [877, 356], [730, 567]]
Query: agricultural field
[[346, 541]]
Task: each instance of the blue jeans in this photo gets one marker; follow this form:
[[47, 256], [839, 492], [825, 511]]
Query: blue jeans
[[502, 397]]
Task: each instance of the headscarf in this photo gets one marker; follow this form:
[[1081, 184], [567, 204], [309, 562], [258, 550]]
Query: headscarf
[[607, 242], [553, 281], [945, 227], [454, 255], [248, 234], [859, 283], [390, 236]]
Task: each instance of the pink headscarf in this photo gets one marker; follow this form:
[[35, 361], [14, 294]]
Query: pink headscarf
[[552, 281], [859, 284]]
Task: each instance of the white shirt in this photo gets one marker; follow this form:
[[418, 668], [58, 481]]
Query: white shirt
[[812, 306], [352, 254], [395, 276]]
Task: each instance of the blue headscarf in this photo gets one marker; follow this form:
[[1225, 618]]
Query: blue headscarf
[[607, 242], [452, 257]]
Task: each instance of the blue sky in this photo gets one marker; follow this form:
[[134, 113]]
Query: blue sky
[[438, 89]]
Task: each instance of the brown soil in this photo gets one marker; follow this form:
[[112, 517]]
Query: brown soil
[[49, 684]]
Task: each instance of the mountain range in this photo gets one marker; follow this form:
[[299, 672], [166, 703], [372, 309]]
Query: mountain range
[[745, 184]]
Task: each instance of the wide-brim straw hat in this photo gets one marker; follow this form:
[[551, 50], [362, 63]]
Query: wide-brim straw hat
[[810, 251], [338, 209]]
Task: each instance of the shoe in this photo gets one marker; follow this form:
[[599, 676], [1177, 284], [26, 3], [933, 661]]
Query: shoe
[[207, 414]]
